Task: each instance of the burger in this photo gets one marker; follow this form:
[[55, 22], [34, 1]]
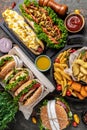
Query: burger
[[7, 63], [55, 115], [29, 92], [15, 78]]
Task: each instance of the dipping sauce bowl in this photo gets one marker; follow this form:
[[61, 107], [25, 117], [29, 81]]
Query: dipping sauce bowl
[[43, 63], [74, 22]]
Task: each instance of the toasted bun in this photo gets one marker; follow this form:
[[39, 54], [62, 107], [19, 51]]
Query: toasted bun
[[20, 72], [20, 69], [7, 68], [4, 56], [22, 87], [19, 84], [61, 116], [31, 23], [34, 97]]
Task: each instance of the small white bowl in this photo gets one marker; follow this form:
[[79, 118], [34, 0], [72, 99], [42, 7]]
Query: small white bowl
[[43, 63], [70, 22]]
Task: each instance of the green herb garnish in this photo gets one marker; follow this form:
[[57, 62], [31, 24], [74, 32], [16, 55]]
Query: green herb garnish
[[8, 109]]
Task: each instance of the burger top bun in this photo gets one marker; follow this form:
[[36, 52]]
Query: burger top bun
[[54, 116]]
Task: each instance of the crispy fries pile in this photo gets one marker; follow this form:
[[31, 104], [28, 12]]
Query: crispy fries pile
[[60, 76], [65, 80]]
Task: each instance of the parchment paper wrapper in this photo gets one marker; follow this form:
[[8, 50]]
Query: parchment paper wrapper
[[72, 58]]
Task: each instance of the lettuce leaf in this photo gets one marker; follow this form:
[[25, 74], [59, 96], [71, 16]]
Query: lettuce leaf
[[24, 91], [24, 13], [27, 2], [3, 60], [12, 85]]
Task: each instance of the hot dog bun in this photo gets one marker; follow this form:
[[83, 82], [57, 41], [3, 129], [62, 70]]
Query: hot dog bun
[[16, 78], [35, 96], [23, 31], [7, 63], [29, 92], [22, 87]]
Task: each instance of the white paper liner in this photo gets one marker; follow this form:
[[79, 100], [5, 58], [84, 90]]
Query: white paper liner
[[19, 63], [52, 115], [30, 74], [72, 57]]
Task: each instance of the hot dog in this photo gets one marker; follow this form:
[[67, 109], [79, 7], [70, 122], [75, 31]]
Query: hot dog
[[29, 92], [16, 78], [46, 24], [21, 29]]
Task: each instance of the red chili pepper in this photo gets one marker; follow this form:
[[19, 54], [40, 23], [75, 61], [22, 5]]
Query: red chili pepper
[[59, 87], [74, 124], [13, 5], [72, 50], [68, 93]]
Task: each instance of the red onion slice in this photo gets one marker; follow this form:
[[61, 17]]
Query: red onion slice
[[5, 45]]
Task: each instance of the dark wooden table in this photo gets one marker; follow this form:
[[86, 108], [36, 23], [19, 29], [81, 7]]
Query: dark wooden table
[[20, 123]]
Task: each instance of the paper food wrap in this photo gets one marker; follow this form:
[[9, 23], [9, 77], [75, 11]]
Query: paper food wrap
[[47, 86], [73, 56]]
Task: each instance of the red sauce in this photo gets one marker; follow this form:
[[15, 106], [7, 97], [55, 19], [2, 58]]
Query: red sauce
[[74, 22]]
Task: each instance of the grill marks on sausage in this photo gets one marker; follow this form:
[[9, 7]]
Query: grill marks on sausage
[[41, 17]]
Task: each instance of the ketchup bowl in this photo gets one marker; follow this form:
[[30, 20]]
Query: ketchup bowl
[[74, 22]]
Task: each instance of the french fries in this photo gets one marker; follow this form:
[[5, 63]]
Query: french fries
[[62, 78]]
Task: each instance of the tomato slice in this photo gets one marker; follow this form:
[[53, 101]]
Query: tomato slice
[[37, 85], [74, 124], [22, 98], [68, 93], [59, 87], [57, 60]]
